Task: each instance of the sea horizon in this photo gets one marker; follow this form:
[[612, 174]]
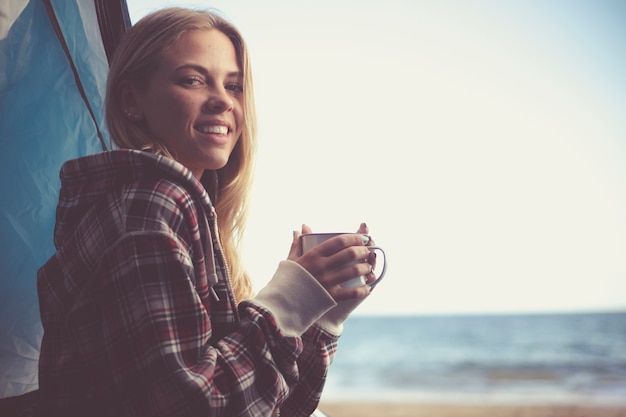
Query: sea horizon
[[537, 312], [486, 358]]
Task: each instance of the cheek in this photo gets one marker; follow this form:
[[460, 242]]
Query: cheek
[[169, 113], [239, 117], [165, 100]]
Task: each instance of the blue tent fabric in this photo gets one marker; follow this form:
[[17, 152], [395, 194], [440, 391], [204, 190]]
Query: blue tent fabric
[[51, 110]]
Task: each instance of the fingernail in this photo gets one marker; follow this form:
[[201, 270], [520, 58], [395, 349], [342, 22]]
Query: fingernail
[[366, 239]]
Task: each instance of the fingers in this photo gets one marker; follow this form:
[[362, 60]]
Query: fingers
[[333, 264], [341, 294], [342, 242], [338, 260], [371, 259], [295, 250], [363, 229]]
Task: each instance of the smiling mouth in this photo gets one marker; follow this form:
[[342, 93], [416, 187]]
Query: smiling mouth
[[220, 130]]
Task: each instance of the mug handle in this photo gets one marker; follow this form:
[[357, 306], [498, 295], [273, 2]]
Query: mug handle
[[382, 273]]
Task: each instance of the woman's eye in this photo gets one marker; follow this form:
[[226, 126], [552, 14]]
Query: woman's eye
[[235, 88], [191, 81]]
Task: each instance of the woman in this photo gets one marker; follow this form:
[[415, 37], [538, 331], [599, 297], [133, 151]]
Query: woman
[[141, 303]]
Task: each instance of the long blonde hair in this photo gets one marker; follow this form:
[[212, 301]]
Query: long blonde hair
[[135, 60]]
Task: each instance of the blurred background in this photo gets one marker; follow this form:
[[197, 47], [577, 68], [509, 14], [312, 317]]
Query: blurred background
[[484, 144], [482, 141]]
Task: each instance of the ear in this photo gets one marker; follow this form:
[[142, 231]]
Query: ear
[[129, 102]]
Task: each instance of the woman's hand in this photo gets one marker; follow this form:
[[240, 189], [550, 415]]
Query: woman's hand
[[371, 259], [333, 262]]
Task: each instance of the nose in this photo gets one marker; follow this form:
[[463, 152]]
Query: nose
[[218, 100]]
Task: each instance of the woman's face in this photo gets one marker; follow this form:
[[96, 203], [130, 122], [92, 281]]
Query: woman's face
[[193, 103]]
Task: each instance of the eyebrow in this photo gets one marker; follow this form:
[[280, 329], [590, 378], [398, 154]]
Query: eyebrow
[[201, 69]]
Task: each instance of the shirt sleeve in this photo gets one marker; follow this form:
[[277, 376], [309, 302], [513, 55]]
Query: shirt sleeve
[[319, 349], [157, 345], [293, 289]]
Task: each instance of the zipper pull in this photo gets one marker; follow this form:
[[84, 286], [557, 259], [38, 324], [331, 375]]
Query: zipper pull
[[217, 297], [213, 280]]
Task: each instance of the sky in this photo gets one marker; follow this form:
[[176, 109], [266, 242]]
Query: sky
[[483, 142]]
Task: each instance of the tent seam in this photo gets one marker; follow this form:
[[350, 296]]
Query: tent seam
[[57, 28]]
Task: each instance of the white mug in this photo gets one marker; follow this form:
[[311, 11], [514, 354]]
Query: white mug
[[310, 240]]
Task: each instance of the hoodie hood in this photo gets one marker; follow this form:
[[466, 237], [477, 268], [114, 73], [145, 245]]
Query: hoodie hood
[[86, 180]]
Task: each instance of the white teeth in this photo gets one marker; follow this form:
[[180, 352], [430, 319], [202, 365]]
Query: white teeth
[[222, 130]]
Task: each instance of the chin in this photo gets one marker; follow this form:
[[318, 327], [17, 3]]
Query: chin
[[219, 165], [211, 161]]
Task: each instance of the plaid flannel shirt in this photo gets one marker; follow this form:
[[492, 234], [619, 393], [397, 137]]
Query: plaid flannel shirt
[[137, 308]]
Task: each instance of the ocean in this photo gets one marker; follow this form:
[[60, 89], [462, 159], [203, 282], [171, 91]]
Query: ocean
[[540, 358]]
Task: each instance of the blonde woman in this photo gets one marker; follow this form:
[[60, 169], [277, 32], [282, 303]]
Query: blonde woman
[[146, 308]]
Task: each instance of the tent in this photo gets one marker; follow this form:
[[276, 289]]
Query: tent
[[53, 65]]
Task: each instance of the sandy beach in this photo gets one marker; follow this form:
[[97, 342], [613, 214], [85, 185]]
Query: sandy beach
[[336, 409]]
